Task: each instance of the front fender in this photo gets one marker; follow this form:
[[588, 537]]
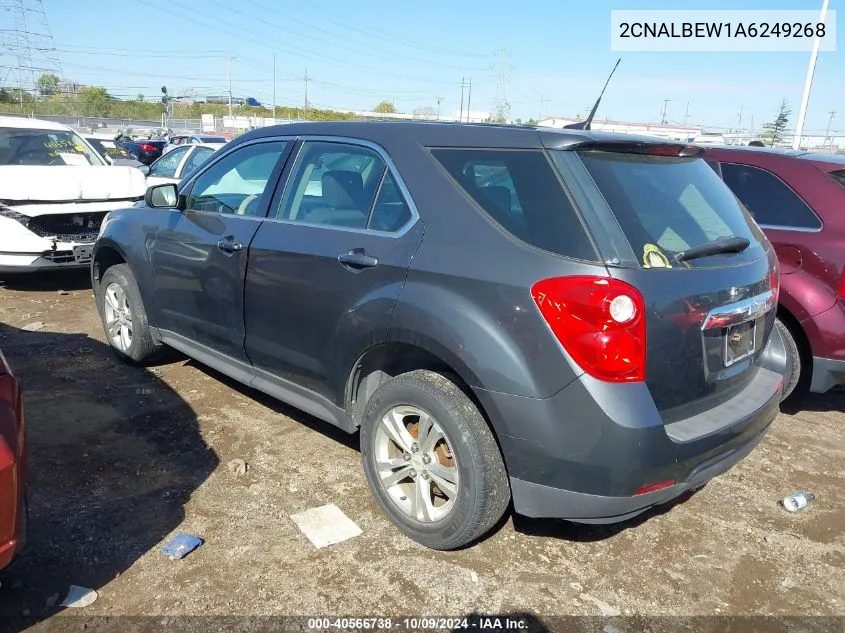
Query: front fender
[[126, 234]]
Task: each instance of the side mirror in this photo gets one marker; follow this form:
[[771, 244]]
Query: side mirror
[[163, 197], [144, 169]]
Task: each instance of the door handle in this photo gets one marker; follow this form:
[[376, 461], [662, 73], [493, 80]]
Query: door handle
[[229, 246], [357, 259]]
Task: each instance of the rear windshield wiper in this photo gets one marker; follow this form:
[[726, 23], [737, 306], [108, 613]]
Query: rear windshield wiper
[[732, 244]]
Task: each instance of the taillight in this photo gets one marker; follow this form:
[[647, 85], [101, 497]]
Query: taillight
[[148, 148], [599, 321], [774, 283]]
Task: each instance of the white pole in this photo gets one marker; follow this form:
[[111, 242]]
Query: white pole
[[808, 84]]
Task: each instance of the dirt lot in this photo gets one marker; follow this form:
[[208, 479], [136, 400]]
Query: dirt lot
[[122, 458]]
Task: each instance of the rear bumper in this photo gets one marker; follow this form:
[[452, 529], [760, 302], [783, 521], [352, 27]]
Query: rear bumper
[[583, 454], [827, 374]]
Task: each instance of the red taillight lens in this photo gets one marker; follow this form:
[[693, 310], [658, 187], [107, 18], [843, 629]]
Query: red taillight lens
[[148, 148], [774, 283], [599, 321], [643, 490]]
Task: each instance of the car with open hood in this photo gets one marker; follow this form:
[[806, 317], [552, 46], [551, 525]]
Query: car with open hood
[[55, 191]]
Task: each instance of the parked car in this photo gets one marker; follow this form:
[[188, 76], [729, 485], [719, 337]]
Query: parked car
[[111, 152], [798, 198], [146, 151], [591, 336], [175, 165], [12, 465], [195, 139], [54, 192]]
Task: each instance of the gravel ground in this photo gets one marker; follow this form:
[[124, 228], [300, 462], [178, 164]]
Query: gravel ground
[[122, 458]]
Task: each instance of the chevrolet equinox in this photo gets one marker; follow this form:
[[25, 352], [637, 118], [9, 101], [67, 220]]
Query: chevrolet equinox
[[576, 322]]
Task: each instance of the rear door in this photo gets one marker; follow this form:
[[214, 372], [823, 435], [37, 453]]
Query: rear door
[[326, 267], [199, 256], [709, 314]]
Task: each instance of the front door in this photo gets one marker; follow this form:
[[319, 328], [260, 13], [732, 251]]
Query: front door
[[199, 257], [327, 266]]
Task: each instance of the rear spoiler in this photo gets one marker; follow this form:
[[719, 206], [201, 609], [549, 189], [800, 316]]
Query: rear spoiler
[[640, 147]]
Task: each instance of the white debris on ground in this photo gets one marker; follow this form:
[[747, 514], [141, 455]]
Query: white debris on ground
[[326, 525]]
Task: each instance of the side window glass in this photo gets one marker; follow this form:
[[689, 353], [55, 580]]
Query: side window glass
[[165, 167], [390, 212], [768, 199], [333, 184], [237, 184], [197, 158]]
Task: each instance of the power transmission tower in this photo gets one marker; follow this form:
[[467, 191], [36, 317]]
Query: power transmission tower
[[739, 125], [663, 116], [501, 78], [439, 99], [686, 114], [27, 50]]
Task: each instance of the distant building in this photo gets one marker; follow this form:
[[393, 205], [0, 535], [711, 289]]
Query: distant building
[[668, 131]]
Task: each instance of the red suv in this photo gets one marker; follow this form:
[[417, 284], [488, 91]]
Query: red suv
[[798, 199], [12, 465]]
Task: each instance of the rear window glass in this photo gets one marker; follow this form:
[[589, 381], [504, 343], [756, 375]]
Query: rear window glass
[[670, 203], [519, 190]]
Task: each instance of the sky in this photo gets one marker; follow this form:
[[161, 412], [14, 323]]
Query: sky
[[359, 53]]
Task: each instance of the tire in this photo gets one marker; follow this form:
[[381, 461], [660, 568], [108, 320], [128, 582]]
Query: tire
[[792, 374], [467, 453], [118, 285]]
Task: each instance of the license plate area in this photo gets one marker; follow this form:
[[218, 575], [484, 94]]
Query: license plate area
[[740, 342], [82, 253]]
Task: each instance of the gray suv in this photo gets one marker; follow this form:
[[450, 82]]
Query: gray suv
[[577, 322]]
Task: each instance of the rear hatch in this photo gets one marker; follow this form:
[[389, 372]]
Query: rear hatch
[[707, 275]]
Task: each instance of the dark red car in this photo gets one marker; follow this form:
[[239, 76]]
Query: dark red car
[[12, 465], [798, 199]]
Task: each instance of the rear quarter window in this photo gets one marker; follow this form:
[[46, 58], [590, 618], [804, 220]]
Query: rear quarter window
[[519, 191]]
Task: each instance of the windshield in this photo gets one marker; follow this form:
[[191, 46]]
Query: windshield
[[44, 147], [670, 205], [109, 148]]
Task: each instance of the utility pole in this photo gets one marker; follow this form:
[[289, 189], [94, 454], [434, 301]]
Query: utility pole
[[469, 98], [543, 101], [229, 74], [686, 114], [739, 125], [663, 116], [274, 88], [461, 115], [305, 105], [439, 99], [829, 123]]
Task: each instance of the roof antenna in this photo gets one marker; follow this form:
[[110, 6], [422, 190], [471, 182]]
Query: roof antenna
[[585, 125]]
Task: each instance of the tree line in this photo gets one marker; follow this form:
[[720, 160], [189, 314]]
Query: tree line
[[51, 96]]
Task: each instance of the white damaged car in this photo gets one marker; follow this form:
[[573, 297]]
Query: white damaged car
[[55, 191]]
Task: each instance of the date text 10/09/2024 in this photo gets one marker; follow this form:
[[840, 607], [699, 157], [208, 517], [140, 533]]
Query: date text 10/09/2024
[[720, 29], [493, 623]]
